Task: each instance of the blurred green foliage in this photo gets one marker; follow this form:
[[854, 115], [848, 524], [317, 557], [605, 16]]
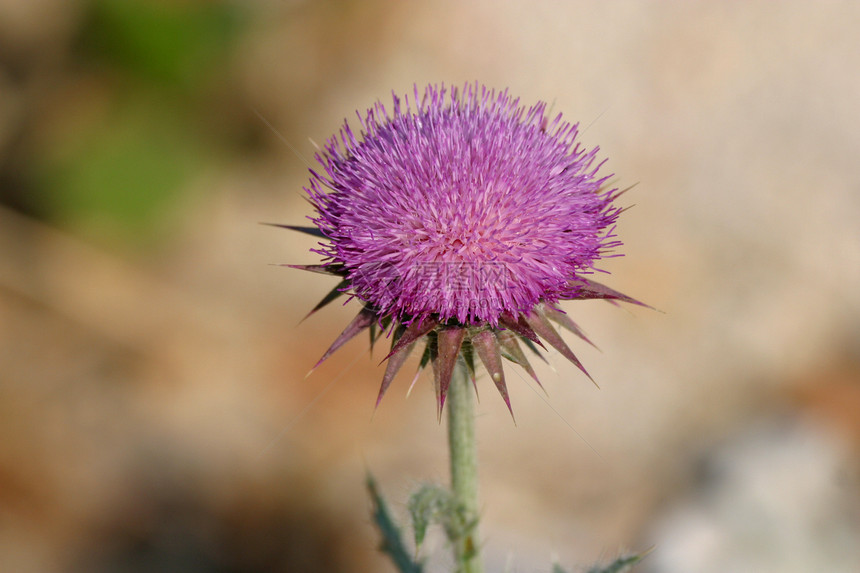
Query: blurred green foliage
[[118, 179], [164, 69], [176, 43]]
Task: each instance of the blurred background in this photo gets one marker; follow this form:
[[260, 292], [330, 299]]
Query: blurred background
[[154, 411]]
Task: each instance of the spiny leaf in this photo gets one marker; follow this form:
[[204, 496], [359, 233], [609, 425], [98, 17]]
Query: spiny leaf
[[430, 340], [511, 350], [562, 319], [542, 326], [427, 354], [313, 231], [520, 326], [588, 289], [392, 544], [412, 333], [620, 565], [335, 270], [377, 330], [466, 351], [487, 348], [530, 345], [374, 334], [395, 362], [363, 320], [448, 342], [334, 294]]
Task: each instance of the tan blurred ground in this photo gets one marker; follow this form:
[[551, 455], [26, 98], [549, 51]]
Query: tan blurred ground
[[153, 402]]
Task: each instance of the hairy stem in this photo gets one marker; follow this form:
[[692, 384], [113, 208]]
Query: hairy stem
[[464, 469]]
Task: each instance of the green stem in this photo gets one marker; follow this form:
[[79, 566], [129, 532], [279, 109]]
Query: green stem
[[464, 468]]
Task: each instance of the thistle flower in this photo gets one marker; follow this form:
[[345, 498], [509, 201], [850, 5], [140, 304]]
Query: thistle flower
[[460, 220]]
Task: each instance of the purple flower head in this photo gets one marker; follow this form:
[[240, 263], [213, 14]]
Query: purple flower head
[[462, 217], [463, 206]]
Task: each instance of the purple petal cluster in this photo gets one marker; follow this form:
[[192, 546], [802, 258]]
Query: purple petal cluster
[[461, 205]]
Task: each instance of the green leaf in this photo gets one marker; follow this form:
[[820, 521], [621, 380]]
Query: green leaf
[[392, 544], [428, 505], [121, 177], [172, 42], [425, 357], [620, 565], [333, 295]]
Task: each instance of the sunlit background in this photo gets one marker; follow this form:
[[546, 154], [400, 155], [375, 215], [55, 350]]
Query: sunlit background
[[154, 411]]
